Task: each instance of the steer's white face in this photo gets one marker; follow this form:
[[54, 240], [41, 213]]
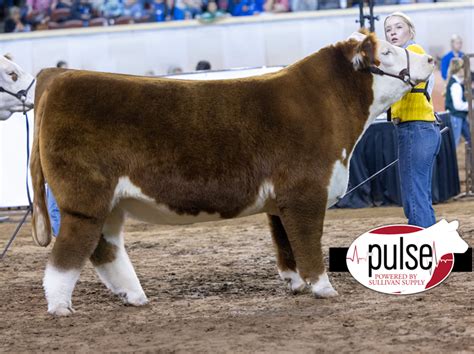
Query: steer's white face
[[393, 59], [13, 79]]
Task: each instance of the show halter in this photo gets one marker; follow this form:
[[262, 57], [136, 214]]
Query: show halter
[[403, 75]]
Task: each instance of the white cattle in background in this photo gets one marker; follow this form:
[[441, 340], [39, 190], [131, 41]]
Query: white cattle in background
[[14, 80]]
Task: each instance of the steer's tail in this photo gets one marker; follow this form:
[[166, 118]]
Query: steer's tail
[[41, 226]]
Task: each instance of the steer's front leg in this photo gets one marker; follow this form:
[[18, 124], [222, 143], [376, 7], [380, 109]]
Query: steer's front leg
[[286, 264], [303, 218]]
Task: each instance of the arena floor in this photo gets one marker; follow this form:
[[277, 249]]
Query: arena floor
[[214, 287]]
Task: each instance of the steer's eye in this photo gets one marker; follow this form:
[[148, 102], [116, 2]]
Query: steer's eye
[[387, 52], [14, 76]]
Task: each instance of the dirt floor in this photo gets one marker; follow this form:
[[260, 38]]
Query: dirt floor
[[214, 287]]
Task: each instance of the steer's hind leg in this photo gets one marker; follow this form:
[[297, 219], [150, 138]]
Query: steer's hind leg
[[78, 237], [285, 260], [112, 264], [303, 219]]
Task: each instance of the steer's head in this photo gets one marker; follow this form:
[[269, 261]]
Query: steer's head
[[14, 79], [383, 58]]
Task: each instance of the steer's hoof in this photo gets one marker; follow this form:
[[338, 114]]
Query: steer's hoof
[[134, 299], [325, 292], [295, 283], [323, 288], [296, 286], [61, 311]]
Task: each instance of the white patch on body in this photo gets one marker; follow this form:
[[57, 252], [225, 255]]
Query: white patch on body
[[264, 201], [338, 182], [323, 287], [130, 198], [58, 286], [358, 61], [344, 154], [295, 283]]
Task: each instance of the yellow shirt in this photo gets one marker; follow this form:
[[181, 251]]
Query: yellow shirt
[[414, 106]]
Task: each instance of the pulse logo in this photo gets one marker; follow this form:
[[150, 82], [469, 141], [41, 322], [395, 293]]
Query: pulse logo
[[405, 259]]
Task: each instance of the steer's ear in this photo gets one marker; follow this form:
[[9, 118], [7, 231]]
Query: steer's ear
[[359, 37], [365, 53]]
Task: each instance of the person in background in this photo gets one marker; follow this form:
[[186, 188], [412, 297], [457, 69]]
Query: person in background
[[194, 7], [243, 7], [134, 9], [158, 11], [456, 103], [112, 9], [180, 11], [276, 6], [81, 10], [61, 4], [61, 64], [13, 23], [174, 70], [419, 138], [303, 5], [53, 210], [203, 65], [456, 46], [37, 11], [212, 13]]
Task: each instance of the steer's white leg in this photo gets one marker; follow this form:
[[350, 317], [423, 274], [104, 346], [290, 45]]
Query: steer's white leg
[[58, 286], [112, 264], [77, 239], [323, 288], [295, 283]]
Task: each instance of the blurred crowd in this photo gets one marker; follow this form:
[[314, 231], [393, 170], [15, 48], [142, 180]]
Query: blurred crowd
[[30, 15]]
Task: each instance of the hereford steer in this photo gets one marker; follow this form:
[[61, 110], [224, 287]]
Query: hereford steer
[[177, 152], [16, 87]]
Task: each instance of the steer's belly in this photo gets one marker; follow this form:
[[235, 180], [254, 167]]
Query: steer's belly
[[130, 198], [161, 214]]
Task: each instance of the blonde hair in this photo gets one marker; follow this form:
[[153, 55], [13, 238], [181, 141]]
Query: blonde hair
[[455, 66], [405, 19], [456, 37]]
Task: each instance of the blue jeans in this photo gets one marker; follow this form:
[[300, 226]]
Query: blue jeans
[[460, 126], [418, 145], [53, 210]]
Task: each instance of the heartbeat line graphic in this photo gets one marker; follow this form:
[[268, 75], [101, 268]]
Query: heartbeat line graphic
[[355, 255], [436, 260]]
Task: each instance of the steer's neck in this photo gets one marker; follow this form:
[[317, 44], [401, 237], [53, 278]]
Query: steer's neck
[[340, 95]]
